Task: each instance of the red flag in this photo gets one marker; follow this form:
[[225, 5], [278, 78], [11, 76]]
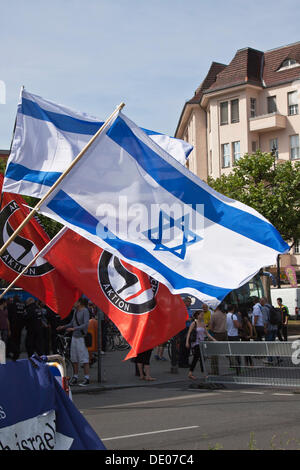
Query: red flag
[[41, 280], [145, 311]]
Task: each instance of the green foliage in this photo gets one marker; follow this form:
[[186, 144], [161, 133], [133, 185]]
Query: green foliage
[[273, 190], [50, 226]]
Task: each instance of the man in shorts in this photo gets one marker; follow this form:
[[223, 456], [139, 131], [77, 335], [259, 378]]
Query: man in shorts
[[79, 352]]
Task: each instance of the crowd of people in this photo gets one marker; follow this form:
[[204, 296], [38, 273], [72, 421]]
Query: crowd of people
[[32, 325], [39, 326], [228, 323]]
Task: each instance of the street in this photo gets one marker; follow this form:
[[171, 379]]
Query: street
[[176, 417]]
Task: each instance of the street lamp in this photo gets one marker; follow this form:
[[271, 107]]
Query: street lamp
[[273, 153]]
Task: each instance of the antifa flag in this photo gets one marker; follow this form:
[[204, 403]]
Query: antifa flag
[[144, 310], [41, 280]]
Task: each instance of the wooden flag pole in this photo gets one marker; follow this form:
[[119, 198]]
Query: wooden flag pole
[[40, 253], [62, 176]]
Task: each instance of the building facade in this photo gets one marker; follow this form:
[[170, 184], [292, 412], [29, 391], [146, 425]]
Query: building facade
[[252, 103]]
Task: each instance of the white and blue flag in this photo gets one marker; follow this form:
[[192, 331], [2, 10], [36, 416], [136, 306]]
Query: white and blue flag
[[36, 413], [47, 138], [134, 200]]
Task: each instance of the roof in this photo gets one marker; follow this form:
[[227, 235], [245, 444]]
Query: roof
[[273, 60], [252, 66], [249, 66], [245, 67], [210, 78], [215, 69]]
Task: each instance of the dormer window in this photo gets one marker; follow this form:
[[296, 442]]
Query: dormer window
[[288, 64]]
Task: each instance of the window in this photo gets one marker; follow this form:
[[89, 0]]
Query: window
[[252, 107], [225, 155], [294, 146], [273, 143], [297, 247], [253, 146], [272, 108], [234, 105], [287, 63], [292, 103], [236, 151], [224, 112]]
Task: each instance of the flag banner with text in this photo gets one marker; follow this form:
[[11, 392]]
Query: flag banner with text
[[36, 413]]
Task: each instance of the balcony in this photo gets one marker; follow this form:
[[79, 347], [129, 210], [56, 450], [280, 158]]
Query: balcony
[[267, 122]]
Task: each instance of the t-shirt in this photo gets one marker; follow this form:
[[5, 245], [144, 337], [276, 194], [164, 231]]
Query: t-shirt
[[218, 323], [284, 313], [80, 322], [206, 317], [231, 329], [257, 312], [266, 317]]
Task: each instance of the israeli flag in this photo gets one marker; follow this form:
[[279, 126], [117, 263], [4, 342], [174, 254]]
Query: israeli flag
[[134, 200], [48, 137]]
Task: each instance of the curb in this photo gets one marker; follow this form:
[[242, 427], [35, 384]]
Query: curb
[[95, 388]]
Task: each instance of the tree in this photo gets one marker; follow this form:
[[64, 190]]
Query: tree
[[272, 189]]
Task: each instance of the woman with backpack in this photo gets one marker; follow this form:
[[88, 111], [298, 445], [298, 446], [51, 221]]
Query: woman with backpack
[[197, 332]]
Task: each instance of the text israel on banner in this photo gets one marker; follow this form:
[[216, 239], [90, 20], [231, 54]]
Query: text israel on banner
[[132, 199], [145, 311], [41, 280], [36, 413], [49, 136]]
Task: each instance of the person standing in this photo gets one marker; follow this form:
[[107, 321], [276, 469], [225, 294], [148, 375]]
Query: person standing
[[143, 365], [79, 352], [207, 313], [218, 329], [258, 320], [271, 329], [4, 323], [283, 327], [233, 326], [16, 311], [218, 324], [246, 334], [183, 350], [201, 334], [34, 339]]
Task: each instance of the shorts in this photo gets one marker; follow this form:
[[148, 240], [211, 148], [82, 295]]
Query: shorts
[[79, 352]]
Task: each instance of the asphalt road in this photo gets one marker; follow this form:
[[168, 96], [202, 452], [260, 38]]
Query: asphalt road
[[175, 417]]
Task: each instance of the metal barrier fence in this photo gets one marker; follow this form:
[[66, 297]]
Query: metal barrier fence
[[252, 363]]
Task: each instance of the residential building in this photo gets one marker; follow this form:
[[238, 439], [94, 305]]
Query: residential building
[[252, 103]]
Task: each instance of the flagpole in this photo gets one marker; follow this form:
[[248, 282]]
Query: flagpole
[[62, 176], [40, 253]]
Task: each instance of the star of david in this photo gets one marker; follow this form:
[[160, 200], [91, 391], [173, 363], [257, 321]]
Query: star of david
[[166, 223]]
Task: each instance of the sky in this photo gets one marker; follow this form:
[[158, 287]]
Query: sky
[[91, 55]]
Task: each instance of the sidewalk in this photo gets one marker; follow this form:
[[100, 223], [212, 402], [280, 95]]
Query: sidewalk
[[117, 373]]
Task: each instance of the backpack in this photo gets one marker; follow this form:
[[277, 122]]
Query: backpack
[[193, 334], [274, 315]]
